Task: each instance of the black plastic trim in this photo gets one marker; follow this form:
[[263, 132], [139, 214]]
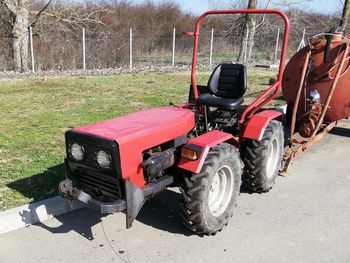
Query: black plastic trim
[[92, 144]]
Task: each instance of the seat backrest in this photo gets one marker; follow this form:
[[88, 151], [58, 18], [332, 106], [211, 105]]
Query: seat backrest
[[228, 81]]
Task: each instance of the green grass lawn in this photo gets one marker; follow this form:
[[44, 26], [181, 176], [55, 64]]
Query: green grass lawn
[[35, 113]]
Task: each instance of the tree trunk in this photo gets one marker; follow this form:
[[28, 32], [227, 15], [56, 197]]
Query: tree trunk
[[20, 14], [245, 50], [251, 36], [345, 15]]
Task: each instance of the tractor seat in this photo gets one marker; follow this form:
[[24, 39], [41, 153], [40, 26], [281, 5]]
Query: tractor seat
[[227, 85]]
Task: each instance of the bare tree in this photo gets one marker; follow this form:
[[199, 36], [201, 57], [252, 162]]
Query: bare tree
[[249, 29], [19, 13], [67, 15], [345, 15]]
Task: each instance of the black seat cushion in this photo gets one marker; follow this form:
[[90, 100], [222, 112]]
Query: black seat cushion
[[228, 81], [227, 85], [221, 103]]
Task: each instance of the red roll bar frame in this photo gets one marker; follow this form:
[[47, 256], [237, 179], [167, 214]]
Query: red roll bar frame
[[264, 98]]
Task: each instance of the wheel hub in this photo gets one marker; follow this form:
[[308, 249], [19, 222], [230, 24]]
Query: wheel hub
[[272, 161], [221, 191]]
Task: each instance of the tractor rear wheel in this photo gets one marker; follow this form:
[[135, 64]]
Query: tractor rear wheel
[[263, 159], [209, 197]]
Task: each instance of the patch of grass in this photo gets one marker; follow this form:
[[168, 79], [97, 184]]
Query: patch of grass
[[35, 113]]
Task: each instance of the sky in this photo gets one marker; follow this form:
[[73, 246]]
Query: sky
[[199, 6]]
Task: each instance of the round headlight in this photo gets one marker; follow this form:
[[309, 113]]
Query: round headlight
[[77, 151], [103, 159]]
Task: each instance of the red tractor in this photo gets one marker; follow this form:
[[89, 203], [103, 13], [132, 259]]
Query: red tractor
[[207, 146]]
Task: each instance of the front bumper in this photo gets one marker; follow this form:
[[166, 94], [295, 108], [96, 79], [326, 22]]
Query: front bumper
[[135, 197], [67, 191]]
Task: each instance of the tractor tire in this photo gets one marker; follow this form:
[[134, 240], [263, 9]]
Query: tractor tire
[[209, 197], [263, 159]]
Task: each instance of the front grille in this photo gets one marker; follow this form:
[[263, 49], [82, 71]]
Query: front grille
[[102, 184], [99, 186]]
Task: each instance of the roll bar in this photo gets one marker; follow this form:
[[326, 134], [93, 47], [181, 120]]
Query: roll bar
[[264, 98]]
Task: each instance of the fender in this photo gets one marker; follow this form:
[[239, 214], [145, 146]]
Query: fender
[[202, 145], [257, 124]]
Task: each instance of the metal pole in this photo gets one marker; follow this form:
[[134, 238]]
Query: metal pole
[[32, 47], [302, 42], [84, 57], [130, 49], [211, 47], [277, 43], [173, 60]]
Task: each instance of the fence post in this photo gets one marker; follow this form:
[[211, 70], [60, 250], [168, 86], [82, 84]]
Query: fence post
[[173, 60], [32, 47], [130, 49], [211, 47], [277, 43], [84, 56], [302, 42]]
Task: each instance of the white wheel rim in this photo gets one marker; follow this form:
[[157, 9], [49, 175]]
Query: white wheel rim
[[221, 191], [272, 160]]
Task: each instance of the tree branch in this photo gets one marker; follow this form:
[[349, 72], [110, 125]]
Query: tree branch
[[39, 13], [11, 5]]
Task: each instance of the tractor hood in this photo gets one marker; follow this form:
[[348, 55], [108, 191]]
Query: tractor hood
[[165, 122], [139, 131]]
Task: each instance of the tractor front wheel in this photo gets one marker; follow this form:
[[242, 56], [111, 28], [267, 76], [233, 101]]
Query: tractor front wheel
[[209, 197], [263, 159]]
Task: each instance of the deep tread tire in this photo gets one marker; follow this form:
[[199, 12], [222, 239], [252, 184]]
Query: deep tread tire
[[255, 157], [195, 211]]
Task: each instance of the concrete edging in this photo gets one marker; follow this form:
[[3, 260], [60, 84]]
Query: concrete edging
[[29, 214]]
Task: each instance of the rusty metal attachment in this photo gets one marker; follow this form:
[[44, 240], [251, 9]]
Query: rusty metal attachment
[[311, 124]]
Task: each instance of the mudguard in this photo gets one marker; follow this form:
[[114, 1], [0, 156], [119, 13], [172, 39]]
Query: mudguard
[[257, 124], [202, 145]]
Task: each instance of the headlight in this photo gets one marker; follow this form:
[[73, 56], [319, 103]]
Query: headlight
[[103, 159], [77, 151]]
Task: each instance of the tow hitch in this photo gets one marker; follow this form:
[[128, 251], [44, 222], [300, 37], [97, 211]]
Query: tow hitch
[[67, 190]]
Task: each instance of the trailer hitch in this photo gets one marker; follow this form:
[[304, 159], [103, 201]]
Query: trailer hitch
[[135, 197], [71, 193]]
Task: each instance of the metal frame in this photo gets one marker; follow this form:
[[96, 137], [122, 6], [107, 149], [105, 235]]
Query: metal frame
[[271, 92]]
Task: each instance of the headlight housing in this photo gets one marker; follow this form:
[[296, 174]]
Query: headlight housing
[[103, 159], [77, 152]]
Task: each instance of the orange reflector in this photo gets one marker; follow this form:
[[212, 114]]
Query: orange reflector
[[189, 154]]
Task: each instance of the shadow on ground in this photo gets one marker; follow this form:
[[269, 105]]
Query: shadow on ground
[[160, 212], [80, 221], [340, 131], [40, 186]]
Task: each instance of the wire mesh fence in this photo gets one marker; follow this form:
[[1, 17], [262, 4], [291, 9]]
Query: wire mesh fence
[[64, 50]]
